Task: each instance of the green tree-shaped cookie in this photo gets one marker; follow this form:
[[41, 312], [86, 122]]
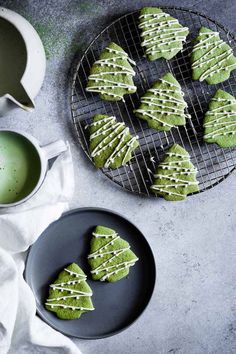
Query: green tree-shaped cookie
[[162, 106], [112, 75], [111, 144], [220, 120], [70, 295], [212, 59], [175, 177], [110, 256], [163, 36]]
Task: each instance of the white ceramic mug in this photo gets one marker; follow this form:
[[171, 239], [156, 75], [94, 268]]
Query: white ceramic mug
[[23, 165], [22, 62]]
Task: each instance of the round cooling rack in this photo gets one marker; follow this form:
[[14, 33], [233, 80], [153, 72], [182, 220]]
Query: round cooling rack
[[214, 164]]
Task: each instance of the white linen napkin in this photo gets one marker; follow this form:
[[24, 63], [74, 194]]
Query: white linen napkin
[[21, 331]]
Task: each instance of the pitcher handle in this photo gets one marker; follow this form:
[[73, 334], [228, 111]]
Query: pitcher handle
[[54, 149]]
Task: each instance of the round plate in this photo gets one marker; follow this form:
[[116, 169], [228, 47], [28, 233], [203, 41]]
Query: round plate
[[67, 240], [214, 164]]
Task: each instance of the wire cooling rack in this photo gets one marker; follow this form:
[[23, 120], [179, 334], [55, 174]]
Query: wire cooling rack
[[214, 164]]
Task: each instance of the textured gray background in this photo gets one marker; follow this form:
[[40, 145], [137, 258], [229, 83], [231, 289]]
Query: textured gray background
[[193, 310]]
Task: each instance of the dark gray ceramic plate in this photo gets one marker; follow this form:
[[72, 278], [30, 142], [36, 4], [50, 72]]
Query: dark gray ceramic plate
[[117, 305]]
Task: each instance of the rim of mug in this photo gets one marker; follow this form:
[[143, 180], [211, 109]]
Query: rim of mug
[[43, 164], [4, 15]]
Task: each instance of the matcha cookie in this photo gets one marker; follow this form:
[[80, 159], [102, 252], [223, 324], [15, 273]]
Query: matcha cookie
[[110, 256], [220, 120], [70, 295], [162, 35], [212, 59], [112, 75], [163, 105], [175, 177], [111, 144]]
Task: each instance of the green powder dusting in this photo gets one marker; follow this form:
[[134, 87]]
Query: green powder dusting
[[55, 35], [45, 33], [88, 7]]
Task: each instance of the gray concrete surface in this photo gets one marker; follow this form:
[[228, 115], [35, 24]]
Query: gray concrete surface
[[193, 310]]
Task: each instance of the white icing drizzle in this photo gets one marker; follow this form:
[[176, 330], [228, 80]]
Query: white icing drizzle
[[209, 56], [117, 151], [170, 83], [160, 25], [71, 290], [122, 54], [105, 85], [222, 131], [113, 84], [103, 62], [177, 168], [103, 145], [77, 293], [211, 125], [74, 273], [103, 130], [102, 267], [176, 154], [221, 118], [70, 307], [161, 99], [202, 41], [76, 297], [104, 235], [220, 99], [130, 148], [103, 120], [163, 190], [145, 113], [160, 30], [127, 265], [178, 162], [69, 282], [164, 92], [108, 94], [157, 100], [189, 172], [101, 252], [165, 50], [212, 70], [113, 134], [174, 179], [153, 17], [94, 76], [201, 61], [211, 45], [218, 120]]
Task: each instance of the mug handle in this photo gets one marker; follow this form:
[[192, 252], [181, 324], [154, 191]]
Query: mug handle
[[54, 149]]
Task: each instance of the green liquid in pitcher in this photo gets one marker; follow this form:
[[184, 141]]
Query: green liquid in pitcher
[[20, 167]]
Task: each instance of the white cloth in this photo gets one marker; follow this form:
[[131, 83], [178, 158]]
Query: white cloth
[[21, 331]]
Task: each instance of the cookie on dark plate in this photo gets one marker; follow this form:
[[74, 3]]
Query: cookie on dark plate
[[110, 256], [70, 295]]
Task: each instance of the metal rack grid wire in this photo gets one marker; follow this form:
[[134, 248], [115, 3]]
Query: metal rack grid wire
[[214, 164]]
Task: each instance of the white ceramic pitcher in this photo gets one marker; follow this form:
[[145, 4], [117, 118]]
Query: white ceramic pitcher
[[22, 62]]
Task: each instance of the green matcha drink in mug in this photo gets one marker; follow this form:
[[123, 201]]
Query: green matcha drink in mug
[[23, 165]]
